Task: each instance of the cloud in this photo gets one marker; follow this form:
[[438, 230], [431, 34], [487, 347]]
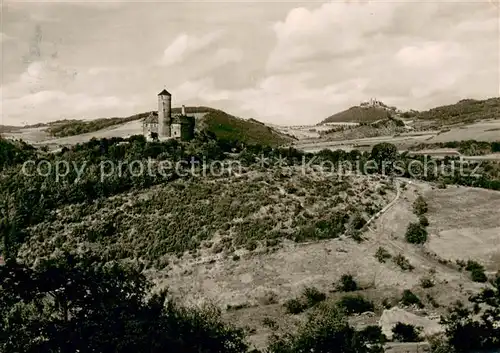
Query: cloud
[[338, 54], [428, 54], [4, 37], [46, 91], [328, 31], [227, 55], [185, 45], [45, 106], [415, 55], [280, 99]]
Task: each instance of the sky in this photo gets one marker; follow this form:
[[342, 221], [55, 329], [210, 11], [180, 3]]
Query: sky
[[281, 62]]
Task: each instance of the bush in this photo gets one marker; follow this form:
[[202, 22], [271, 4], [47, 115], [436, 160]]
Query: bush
[[313, 296], [472, 265], [326, 330], [373, 334], [478, 276], [477, 271], [347, 284], [382, 255], [409, 298], [420, 206], [426, 282], [294, 306], [424, 222], [406, 333], [355, 304], [403, 263], [309, 298], [416, 234]]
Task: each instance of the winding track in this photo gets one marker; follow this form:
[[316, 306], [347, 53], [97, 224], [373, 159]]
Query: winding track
[[382, 238]]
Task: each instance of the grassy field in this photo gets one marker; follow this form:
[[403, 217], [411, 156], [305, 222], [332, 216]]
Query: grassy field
[[464, 224]]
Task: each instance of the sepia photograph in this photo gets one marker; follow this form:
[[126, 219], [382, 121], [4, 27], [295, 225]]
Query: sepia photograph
[[250, 176]]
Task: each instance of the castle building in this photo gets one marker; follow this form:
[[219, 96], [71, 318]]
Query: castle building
[[163, 124]]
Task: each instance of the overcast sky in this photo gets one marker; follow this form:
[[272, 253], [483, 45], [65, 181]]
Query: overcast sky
[[283, 62]]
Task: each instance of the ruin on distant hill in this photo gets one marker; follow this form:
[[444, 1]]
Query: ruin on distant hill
[[163, 125]]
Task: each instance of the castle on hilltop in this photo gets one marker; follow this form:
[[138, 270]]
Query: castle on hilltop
[[373, 102], [164, 125]]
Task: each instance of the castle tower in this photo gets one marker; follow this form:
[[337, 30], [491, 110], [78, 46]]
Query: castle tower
[[164, 113]]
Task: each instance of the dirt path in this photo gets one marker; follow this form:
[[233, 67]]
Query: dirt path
[[386, 226], [387, 207]]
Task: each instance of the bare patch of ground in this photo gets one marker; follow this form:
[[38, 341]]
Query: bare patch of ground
[[389, 318], [465, 224]]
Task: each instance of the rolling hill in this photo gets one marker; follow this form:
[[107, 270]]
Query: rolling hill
[[464, 111], [358, 115], [219, 123], [230, 128]]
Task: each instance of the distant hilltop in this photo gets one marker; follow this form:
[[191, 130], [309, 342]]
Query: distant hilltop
[[375, 103], [464, 111], [365, 112]]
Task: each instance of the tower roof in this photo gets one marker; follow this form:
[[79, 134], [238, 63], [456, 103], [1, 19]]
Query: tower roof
[[164, 93]]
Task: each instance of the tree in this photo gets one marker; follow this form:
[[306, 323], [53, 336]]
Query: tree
[[385, 154], [347, 284], [326, 331], [409, 298], [416, 233], [420, 206], [477, 328], [355, 304], [81, 304]]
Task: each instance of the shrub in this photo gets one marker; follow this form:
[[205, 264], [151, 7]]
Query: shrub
[[313, 296], [326, 330], [478, 276], [426, 282], [424, 222], [382, 255], [403, 263], [347, 284], [416, 234], [373, 334], [358, 221], [294, 306], [477, 271], [420, 206], [409, 298], [355, 304], [433, 301], [472, 265], [406, 333], [269, 322]]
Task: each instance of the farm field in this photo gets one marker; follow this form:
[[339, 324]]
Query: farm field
[[464, 224], [481, 131]]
